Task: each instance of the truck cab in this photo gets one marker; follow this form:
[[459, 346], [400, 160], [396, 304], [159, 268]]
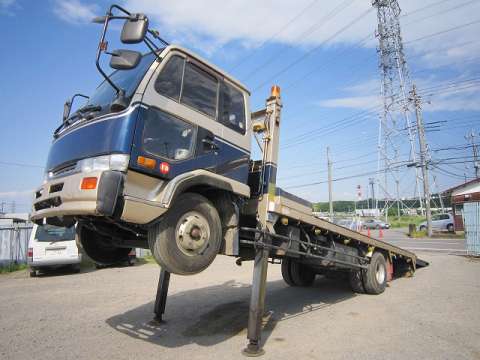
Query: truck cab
[[183, 127]]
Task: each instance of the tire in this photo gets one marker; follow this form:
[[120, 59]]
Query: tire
[[423, 228], [99, 248], [33, 273], [301, 274], [450, 228], [188, 237], [356, 281], [76, 268], [286, 271], [375, 276]]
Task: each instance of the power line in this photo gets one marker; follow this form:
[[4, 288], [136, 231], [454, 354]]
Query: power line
[[310, 52], [442, 32], [10, 163], [339, 179], [304, 34], [456, 7], [274, 35]]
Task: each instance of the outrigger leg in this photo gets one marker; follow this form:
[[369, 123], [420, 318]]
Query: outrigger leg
[[257, 303], [162, 291]]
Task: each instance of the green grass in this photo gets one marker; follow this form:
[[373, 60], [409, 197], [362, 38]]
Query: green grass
[[418, 234], [12, 268], [404, 221], [146, 260]]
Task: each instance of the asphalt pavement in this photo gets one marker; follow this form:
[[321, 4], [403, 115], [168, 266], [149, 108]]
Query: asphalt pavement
[[107, 314], [399, 238]]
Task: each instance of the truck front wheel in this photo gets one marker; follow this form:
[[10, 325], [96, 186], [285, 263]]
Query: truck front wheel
[[188, 237]]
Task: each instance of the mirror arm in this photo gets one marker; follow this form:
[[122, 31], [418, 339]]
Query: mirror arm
[[102, 48]]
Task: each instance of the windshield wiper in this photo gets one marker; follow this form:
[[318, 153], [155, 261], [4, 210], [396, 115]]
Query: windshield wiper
[[77, 115], [90, 108]]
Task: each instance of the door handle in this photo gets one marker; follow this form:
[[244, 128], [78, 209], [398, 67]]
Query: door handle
[[210, 144]]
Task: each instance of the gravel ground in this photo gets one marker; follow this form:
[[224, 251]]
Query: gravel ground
[[107, 314]]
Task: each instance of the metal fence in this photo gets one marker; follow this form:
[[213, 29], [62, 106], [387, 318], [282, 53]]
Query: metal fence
[[471, 222], [14, 244]]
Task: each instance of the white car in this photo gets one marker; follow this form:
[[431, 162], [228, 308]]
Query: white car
[[440, 222], [52, 246]]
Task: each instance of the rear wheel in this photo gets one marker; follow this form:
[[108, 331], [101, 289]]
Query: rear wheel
[[188, 238], [375, 276], [450, 228], [297, 274], [99, 247]]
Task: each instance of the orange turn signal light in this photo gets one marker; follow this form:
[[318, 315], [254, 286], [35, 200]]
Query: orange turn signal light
[[89, 183], [146, 162]]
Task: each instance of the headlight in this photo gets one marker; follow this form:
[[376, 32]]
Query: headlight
[[118, 162]]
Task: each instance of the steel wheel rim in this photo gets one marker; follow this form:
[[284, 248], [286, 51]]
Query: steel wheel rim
[[380, 273], [192, 233]]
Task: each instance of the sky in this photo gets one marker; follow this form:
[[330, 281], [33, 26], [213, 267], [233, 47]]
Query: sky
[[321, 53]]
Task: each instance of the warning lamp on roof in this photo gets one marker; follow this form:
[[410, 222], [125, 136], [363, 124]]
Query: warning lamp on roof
[[275, 92]]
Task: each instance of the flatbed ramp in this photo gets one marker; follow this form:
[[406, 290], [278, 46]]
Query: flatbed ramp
[[289, 205]]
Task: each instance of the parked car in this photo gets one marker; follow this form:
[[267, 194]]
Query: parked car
[[51, 247], [375, 224], [440, 222], [351, 224]]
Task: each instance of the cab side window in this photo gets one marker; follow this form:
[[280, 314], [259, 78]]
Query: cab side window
[[232, 110], [169, 82], [167, 136], [199, 90]]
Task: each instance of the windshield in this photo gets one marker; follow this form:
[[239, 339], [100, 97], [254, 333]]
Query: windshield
[[52, 233], [127, 80]]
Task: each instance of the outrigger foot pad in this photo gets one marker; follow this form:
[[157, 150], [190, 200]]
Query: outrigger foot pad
[[253, 350]]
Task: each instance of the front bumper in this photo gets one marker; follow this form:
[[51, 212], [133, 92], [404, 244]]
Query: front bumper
[[63, 197]]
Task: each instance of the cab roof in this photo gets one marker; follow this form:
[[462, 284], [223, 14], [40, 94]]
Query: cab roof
[[206, 63]]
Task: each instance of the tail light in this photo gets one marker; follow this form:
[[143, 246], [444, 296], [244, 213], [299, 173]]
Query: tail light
[[30, 253]]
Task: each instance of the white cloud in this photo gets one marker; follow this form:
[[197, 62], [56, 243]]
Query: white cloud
[[353, 102], [74, 11], [251, 22], [6, 6]]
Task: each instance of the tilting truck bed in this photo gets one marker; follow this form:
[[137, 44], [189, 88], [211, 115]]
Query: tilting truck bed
[[287, 204]]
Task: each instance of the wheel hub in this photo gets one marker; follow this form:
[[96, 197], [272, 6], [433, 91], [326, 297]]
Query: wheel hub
[[192, 233], [380, 273]]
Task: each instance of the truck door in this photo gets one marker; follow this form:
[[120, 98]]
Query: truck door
[[179, 122]]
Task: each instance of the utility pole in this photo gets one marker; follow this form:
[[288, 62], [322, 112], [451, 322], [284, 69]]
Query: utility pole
[[330, 190], [423, 157], [439, 193], [371, 181], [476, 165]]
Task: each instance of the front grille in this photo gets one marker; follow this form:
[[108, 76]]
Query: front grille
[[64, 169], [49, 203], [56, 188]]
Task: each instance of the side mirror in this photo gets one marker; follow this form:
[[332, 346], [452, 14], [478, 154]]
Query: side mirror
[[66, 109], [124, 59], [134, 29]]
